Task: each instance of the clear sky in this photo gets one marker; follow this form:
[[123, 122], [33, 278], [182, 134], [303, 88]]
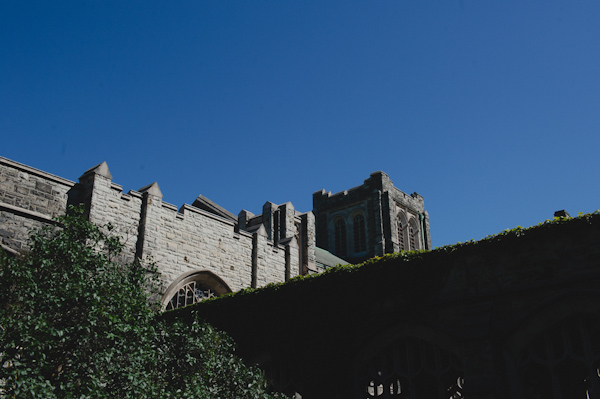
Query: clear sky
[[490, 109]]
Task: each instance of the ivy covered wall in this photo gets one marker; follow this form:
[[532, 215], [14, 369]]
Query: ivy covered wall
[[481, 302]]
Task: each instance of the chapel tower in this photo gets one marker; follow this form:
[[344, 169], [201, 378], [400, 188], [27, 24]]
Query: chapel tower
[[372, 219]]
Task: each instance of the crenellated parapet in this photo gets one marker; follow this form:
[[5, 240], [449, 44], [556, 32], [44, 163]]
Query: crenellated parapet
[[203, 249], [199, 237], [200, 249]]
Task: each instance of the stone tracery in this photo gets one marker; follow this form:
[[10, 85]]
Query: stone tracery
[[189, 294]]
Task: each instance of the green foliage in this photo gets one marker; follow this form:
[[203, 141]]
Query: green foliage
[[412, 256], [74, 323]]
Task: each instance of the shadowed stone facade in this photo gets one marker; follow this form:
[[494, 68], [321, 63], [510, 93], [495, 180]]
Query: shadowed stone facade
[[512, 316], [370, 220]]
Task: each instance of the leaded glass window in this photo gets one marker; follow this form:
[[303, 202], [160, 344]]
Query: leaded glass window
[[400, 236], [190, 293]]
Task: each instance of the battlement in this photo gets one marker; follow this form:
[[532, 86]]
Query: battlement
[[202, 239], [203, 243]]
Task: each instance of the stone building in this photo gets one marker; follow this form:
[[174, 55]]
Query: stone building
[[515, 315], [203, 250], [370, 220]]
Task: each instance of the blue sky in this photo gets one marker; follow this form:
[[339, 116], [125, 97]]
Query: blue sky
[[489, 109]]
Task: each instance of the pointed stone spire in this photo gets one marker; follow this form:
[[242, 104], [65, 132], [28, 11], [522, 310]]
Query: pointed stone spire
[[152, 189], [100, 169]]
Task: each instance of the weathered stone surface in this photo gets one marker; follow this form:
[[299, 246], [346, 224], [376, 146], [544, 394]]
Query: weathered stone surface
[[383, 207], [32, 193], [178, 241], [243, 251]]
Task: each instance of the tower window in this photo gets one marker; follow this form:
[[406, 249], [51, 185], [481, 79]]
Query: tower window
[[359, 233], [401, 246], [411, 237], [340, 238]]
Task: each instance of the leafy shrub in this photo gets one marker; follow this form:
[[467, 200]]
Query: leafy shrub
[[74, 323]]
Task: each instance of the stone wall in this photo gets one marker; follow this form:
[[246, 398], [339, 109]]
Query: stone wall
[[29, 199], [106, 203], [185, 240], [178, 241]]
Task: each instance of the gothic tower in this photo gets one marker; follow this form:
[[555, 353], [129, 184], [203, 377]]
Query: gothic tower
[[370, 220]]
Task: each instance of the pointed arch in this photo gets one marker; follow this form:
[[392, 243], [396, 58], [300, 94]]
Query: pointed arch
[[358, 227], [401, 227], [340, 237], [193, 287], [414, 240]]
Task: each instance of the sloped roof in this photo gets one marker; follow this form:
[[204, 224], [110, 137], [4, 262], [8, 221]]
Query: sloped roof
[[327, 259], [207, 205]]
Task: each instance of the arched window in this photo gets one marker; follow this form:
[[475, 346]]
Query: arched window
[[401, 228], [340, 237], [190, 293], [193, 287], [412, 237], [359, 233], [400, 236]]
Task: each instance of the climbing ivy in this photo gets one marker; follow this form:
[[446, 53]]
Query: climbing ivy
[[411, 256]]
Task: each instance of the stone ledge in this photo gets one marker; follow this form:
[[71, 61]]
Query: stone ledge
[[169, 206], [193, 209], [27, 213], [134, 193], [36, 172]]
